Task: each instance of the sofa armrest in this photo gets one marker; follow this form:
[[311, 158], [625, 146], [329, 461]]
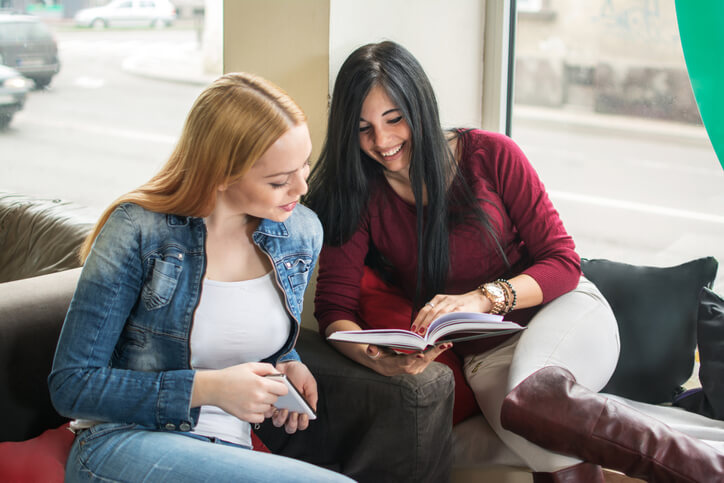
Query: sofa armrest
[[39, 236], [31, 316], [372, 427]]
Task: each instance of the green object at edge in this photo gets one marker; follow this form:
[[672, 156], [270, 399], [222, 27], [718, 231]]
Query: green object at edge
[[701, 28]]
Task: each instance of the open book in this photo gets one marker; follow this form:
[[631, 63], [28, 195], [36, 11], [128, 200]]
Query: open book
[[452, 327]]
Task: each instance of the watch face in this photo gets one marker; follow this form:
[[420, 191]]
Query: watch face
[[495, 291]]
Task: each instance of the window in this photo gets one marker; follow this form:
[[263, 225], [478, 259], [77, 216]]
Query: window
[[530, 5], [604, 109], [112, 114]]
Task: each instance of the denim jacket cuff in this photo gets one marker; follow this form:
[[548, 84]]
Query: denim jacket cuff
[[290, 356], [174, 401]]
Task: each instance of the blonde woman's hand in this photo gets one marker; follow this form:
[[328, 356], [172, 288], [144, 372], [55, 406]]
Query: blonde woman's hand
[[240, 390], [304, 381]]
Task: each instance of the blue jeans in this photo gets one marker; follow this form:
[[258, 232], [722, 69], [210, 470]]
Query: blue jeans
[[125, 452]]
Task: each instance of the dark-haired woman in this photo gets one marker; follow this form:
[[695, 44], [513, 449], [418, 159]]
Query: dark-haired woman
[[460, 221]]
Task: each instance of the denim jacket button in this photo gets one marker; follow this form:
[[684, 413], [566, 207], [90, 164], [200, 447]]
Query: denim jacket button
[[288, 265], [184, 426], [170, 426], [180, 256]]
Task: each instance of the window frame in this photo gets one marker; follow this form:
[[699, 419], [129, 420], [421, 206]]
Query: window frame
[[499, 65]]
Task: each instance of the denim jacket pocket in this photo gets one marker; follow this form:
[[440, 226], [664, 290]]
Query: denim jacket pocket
[[297, 270], [160, 285]]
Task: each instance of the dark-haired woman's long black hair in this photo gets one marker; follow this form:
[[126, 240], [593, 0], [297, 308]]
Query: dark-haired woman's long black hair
[[342, 179]]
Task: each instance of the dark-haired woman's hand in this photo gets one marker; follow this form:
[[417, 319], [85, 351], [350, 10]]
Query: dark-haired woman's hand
[[441, 304], [381, 360], [389, 363]]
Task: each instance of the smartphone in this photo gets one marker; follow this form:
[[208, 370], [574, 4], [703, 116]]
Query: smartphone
[[292, 400]]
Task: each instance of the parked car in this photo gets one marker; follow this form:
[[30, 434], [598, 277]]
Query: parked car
[[119, 13], [13, 91], [28, 46]]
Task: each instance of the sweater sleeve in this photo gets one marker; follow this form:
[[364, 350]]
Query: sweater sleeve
[[556, 266], [338, 280]]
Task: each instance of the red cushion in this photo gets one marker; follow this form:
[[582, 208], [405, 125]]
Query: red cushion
[[383, 306], [257, 444], [41, 459]]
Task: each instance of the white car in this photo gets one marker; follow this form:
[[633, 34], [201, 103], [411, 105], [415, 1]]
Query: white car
[[13, 91], [127, 13]]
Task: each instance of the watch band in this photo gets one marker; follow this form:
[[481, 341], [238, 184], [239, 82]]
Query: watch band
[[496, 294]]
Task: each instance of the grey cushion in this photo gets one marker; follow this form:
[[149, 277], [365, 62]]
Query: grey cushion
[[31, 316], [708, 399]]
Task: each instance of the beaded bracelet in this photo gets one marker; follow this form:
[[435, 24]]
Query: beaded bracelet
[[509, 293]]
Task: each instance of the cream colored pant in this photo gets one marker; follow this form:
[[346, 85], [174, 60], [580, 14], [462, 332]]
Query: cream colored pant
[[578, 332]]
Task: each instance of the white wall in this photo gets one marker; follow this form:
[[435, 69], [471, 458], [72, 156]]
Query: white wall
[[287, 42], [212, 43], [445, 36]]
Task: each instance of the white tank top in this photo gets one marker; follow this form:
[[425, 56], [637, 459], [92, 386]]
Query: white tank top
[[236, 322]]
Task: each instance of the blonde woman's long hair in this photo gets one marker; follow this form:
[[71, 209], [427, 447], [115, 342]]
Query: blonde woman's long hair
[[230, 126]]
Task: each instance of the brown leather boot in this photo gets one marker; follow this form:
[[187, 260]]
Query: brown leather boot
[[551, 410], [580, 473]]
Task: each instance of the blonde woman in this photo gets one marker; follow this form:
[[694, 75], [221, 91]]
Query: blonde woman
[[190, 294]]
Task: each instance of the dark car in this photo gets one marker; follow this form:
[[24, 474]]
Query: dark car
[[28, 46], [13, 90]]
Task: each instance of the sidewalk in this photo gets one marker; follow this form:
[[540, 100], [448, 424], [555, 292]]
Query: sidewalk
[[184, 66], [629, 126]]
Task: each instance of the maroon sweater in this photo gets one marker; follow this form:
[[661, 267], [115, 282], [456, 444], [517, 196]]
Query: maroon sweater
[[530, 232]]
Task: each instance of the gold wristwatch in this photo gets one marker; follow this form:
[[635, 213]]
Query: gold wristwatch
[[495, 293]]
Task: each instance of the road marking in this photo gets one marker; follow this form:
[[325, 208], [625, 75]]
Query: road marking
[[633, 206], [561, 156], [104, 130]]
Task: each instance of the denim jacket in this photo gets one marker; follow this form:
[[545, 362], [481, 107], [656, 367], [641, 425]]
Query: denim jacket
[[123, 353]]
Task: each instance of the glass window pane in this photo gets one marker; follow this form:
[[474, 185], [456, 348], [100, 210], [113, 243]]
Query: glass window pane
[[110, 117], [605, 112], [530, 5]]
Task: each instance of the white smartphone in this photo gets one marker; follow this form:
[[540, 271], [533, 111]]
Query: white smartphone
[[292, 400]]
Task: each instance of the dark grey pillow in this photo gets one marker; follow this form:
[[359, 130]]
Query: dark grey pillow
[[710, 334], [708, 399], [656, 310]]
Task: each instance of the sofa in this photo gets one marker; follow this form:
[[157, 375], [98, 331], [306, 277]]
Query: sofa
[[651, 303]]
